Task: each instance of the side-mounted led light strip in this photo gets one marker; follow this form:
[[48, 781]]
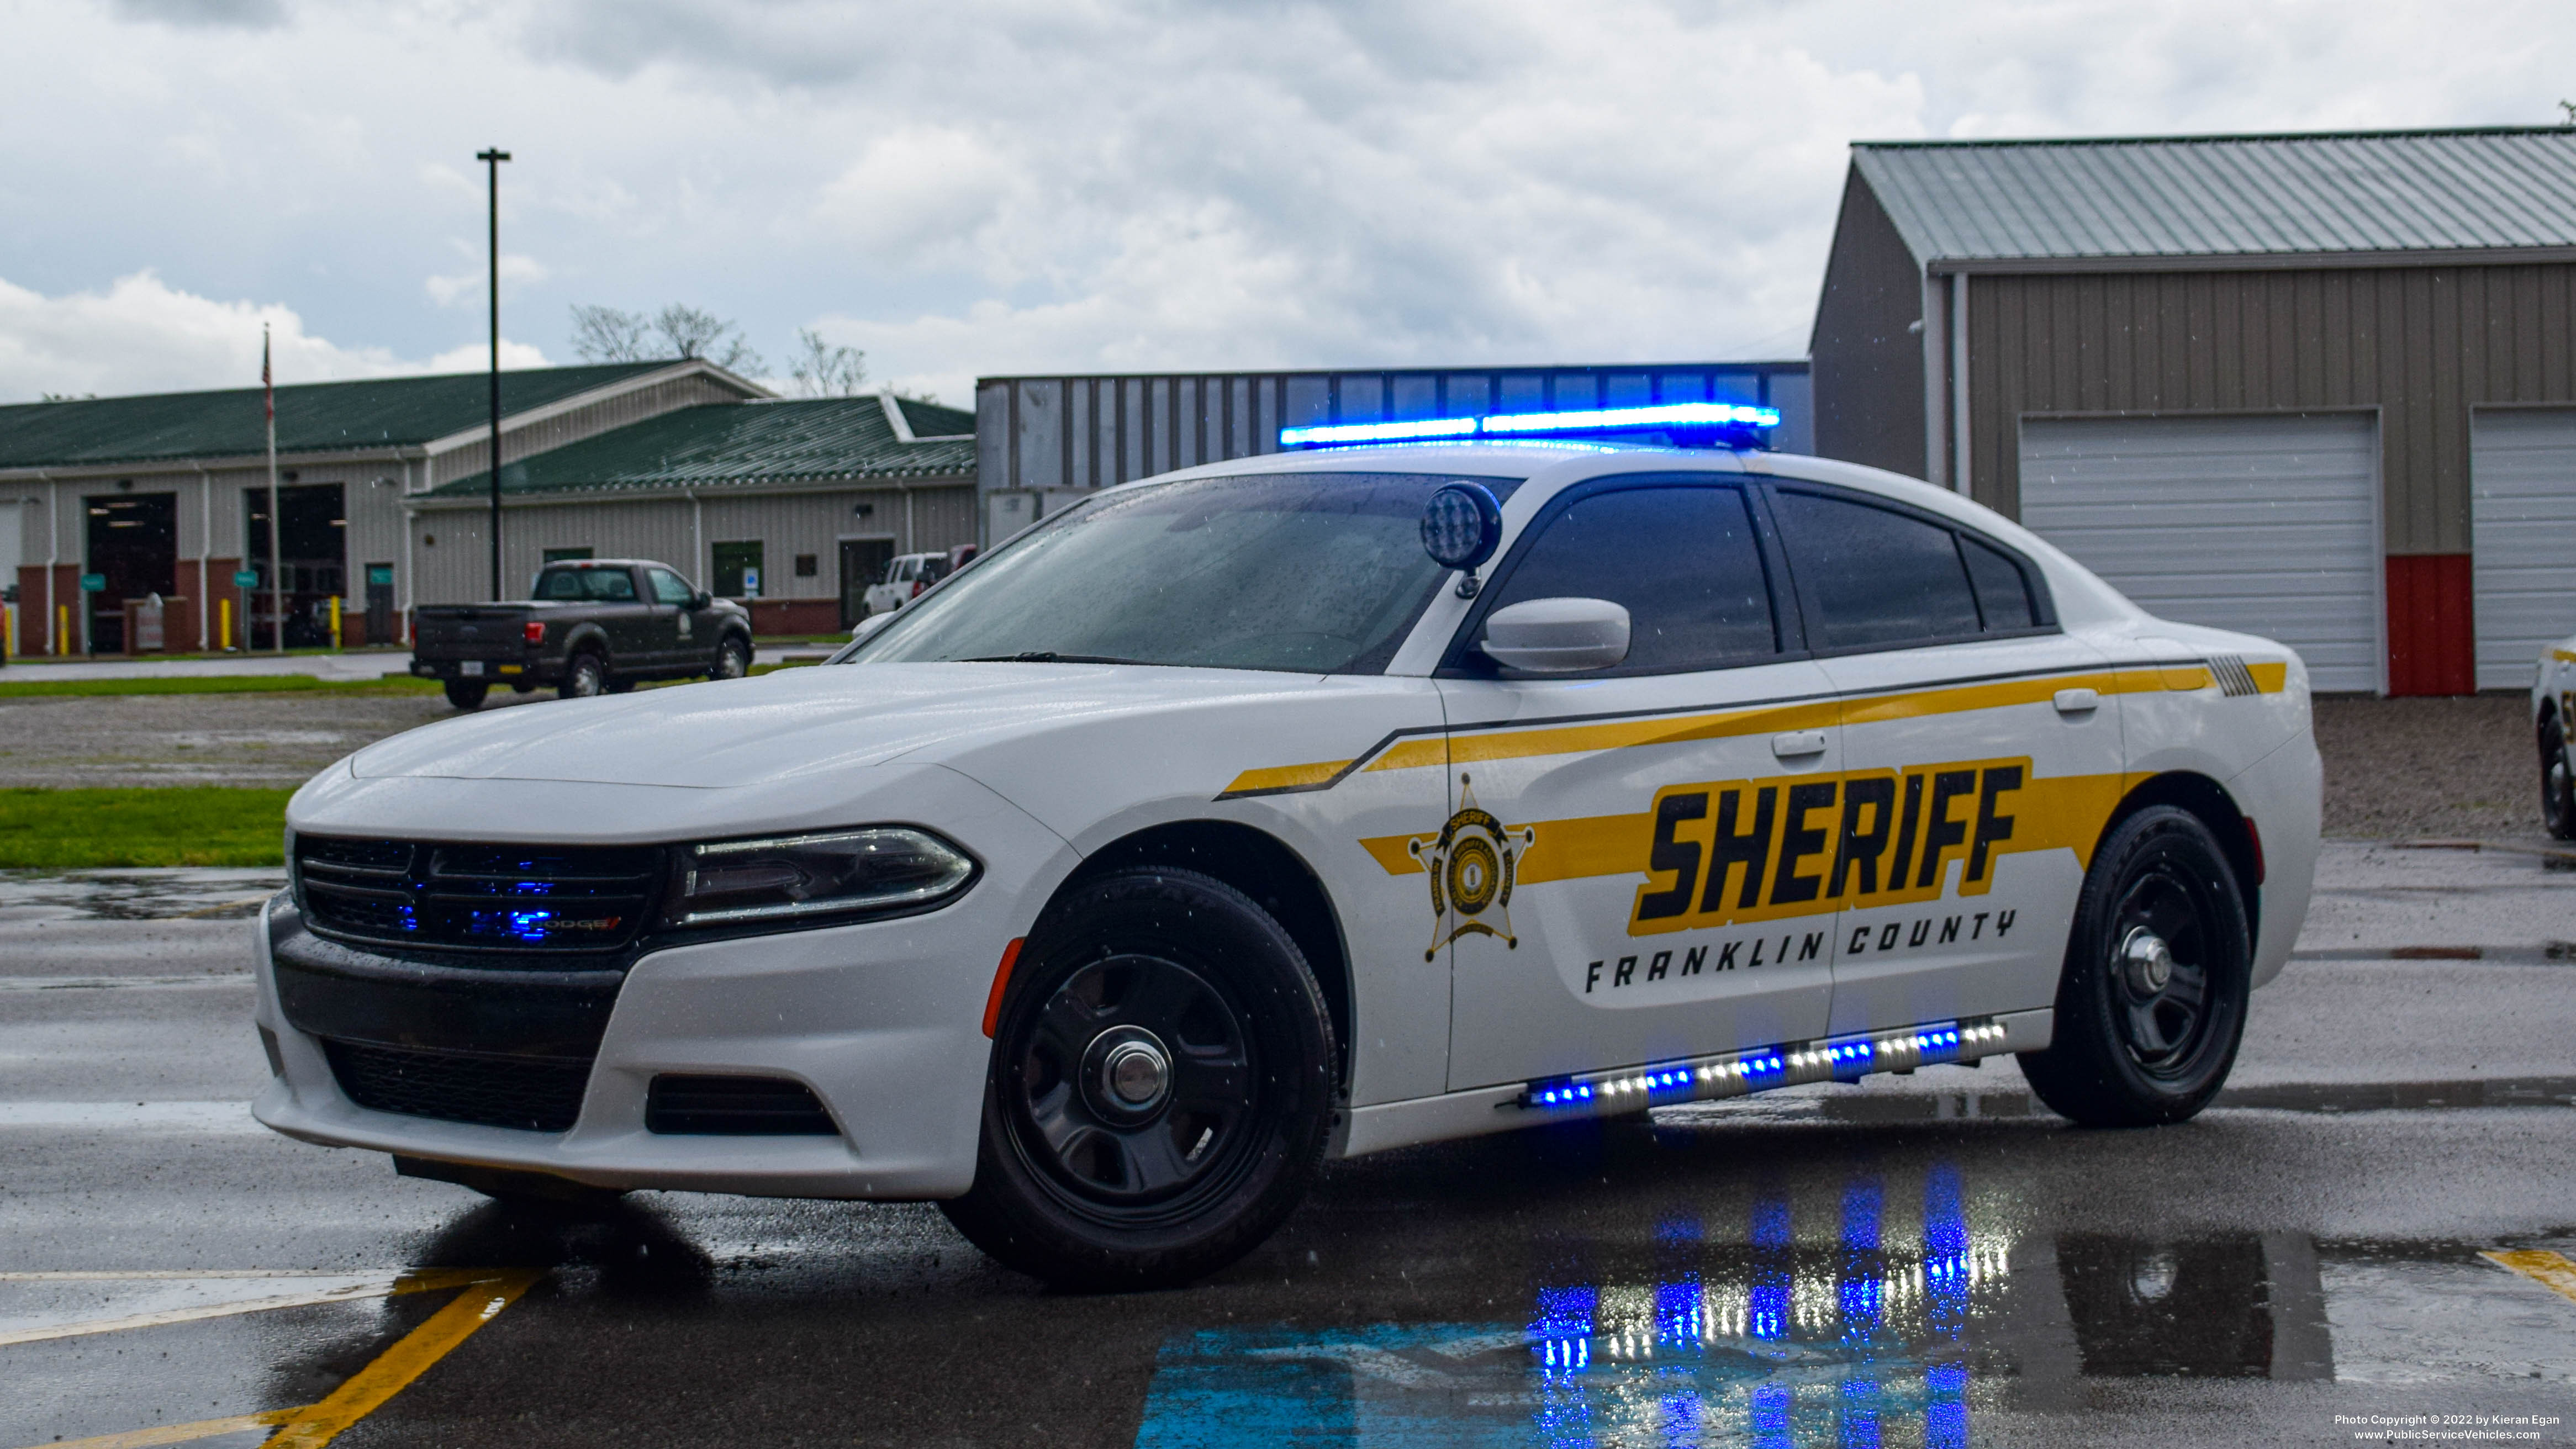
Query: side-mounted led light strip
[[1719, 417], [1737, 1074]]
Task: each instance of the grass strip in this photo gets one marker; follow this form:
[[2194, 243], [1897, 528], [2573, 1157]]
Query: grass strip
[[392, 684], [146, 826]]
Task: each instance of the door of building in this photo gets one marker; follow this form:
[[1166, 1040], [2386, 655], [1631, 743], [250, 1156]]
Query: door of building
[[2522, 525], [380, 603], [863, 562], [134, 543], [2260, 523], [312, 558]]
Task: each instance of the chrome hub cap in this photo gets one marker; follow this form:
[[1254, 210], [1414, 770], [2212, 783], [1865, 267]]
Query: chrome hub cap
[[1135, 1072], [2147, 961]]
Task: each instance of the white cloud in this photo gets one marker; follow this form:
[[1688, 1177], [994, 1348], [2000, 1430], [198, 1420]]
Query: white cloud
[[469, 284], [1008, 185], [142, 335]]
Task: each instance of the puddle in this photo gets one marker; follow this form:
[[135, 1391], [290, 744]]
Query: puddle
[[1880, 1107], [138, 895]]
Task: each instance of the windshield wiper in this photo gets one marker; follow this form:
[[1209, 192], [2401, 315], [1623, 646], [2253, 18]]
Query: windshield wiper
[[1048, 656]]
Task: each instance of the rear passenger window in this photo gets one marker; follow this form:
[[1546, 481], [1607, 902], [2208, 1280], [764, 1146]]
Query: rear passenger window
[[2003, 594], [1877, 579], [1682, 561]]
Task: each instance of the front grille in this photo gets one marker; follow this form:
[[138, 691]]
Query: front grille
[[478, 897], [734, 1107], [531, 1094]]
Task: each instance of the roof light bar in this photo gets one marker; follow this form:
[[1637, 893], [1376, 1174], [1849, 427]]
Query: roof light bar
[[1738, 1074], [1736, 424]]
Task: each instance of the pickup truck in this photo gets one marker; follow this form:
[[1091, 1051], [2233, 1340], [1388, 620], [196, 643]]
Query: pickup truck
[[596, 626]]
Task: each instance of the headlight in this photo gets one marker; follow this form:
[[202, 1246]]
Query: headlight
[[881, 867]]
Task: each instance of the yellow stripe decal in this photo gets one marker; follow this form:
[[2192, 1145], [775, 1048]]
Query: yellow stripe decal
[[1502, 743], [2541, 1266]]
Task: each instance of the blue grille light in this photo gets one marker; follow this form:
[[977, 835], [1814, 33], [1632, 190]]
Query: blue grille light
[[1700, 417]]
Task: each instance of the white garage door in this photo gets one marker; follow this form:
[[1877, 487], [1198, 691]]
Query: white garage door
[[2522, 518], [2269, 525]]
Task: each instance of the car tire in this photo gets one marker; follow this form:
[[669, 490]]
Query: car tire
[[585, 676], [2557, 782], [733, 659], [2151, 1005], [467, 693], [1160, 1090]]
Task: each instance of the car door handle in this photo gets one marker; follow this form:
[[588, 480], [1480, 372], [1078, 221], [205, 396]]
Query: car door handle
[[2077, 701], [1797, 744]]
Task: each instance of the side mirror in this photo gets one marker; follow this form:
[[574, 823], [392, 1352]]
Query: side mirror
[[1557, 636], [701, 599], [1461, 525]]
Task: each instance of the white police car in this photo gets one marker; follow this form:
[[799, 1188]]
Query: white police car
[[2553, 703], [1307, 806]]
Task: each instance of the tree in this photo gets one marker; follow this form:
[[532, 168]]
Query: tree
[[605, 334], [822, 370], [695, 332]]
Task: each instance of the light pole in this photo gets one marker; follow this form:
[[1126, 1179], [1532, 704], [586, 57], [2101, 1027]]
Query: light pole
[[492, 160]]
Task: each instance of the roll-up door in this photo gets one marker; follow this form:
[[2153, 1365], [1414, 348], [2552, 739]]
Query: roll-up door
[[2522, 520], [2269, 525]]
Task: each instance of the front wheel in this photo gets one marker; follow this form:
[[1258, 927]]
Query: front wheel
[[467, 693], [2158, 968], [733, 660], [1160, 1089], [585, 676], [2557, 789]]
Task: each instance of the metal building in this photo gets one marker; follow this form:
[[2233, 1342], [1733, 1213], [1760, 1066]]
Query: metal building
[[167, 494], [2321, 387], [793, 507], [1042, 442]]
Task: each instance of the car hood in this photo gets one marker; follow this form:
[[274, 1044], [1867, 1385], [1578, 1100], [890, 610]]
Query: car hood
[[796, 722]]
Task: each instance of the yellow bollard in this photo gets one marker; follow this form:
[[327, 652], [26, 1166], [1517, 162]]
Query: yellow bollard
[[335, 622], [224, 629], [62, 628]]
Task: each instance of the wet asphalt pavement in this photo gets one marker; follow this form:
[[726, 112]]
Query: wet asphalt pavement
[[1932, 1260]]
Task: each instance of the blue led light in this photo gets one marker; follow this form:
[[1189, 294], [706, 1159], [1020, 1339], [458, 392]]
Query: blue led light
[[1722, 418]]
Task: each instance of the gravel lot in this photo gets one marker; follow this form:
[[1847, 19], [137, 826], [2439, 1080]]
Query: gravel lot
[[2395, 768]]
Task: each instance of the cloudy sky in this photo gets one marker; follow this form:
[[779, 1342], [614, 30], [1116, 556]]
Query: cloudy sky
[[1035, 185]]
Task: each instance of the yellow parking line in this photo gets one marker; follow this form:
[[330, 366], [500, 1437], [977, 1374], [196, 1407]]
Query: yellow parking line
[[409, 1358], [176, 1433], [422, 1281], [2541, 1266]]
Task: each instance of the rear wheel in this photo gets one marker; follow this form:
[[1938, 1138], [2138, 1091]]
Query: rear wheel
[[2557, 789], [733, 659], [2158, 967], [1160, 1089], [585, 676], [467, 693]]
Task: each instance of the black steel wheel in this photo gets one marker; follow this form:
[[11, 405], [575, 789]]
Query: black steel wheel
[[586, 675], [2151, 1005], [467, 693], [733, 659], [2557, 784], [1160, 1090]]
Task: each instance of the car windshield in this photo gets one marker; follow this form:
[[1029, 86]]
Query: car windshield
[[1314, 573]]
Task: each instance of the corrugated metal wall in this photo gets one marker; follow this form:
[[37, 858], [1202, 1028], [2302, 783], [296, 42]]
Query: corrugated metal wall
[[1091, 431], [456, 568], [2421, 344], [1868, 342]]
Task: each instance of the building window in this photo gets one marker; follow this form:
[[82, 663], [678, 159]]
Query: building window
[[806, 565], [566, 555], [738, 570]]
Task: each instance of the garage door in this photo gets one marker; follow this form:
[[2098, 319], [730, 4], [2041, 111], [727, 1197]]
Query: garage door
[[2265, 524], [2522, 517]]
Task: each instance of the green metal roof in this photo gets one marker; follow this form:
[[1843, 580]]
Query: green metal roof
[[737, 444], [311, 417], [935, 420], [2220, 196]]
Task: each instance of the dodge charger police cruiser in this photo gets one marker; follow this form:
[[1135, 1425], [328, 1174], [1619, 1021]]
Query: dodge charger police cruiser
[[1301, 807]]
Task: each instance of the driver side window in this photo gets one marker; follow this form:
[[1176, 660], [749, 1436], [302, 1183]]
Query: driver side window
[[1683, 561], [670, 588]]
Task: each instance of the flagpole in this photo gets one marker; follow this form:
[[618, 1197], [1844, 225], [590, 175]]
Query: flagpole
[[276, 583], [492, 159]]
